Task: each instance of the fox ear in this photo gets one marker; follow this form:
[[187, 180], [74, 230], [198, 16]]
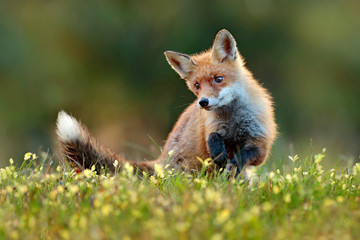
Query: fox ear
[[181, 63], [224, 47]]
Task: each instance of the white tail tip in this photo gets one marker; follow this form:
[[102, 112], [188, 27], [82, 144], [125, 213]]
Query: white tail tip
[[68, 128]]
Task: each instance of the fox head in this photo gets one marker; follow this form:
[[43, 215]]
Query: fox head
[[214, 76]]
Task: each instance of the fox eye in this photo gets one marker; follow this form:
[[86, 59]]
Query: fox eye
[[218, 79], [197, 86]]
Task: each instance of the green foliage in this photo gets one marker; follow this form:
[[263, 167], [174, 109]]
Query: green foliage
[[302, 202]]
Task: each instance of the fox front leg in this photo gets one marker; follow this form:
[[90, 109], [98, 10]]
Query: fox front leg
[[217, 149], [244, 157]]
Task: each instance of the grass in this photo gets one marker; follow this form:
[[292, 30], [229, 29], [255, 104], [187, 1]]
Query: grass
[[300, 201]]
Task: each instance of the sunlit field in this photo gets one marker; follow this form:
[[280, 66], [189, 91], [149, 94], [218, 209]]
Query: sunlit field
[[44, 199]]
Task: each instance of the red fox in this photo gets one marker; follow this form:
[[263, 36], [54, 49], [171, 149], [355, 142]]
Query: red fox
[[231, 121]]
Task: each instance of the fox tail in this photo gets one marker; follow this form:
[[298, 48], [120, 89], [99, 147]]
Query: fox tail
[[82, 150]]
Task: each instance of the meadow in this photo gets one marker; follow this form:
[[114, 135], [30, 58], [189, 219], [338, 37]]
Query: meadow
[[45, 199]]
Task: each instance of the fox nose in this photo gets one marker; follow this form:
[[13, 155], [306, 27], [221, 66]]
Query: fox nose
[[204, 102]]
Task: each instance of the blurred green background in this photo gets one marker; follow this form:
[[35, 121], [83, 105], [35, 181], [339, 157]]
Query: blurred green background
[[103, 62]]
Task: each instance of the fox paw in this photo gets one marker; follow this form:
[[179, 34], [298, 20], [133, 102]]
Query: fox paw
[[217, 149], [221, 159]]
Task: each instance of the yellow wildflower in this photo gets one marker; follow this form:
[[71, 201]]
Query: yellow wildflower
[[287, 198], [27, 156], [14, 234], [222, 216], [128, 168], [288, 177], [9, 189], [116, 163], [211, 195], [22, 188], [106, 209], [53, 194], [171, 152], [60, 189], [97, 203], [153, 180], [276, 190], [267, 206], [159, 170], [74, 188]]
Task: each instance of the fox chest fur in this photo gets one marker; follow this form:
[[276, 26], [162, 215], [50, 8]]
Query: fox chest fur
[[237, 124]]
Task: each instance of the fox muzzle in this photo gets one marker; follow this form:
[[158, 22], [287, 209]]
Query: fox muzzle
[[204, 102]]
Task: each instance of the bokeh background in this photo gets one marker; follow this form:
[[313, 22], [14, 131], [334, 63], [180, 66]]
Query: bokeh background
[[103, 62]]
